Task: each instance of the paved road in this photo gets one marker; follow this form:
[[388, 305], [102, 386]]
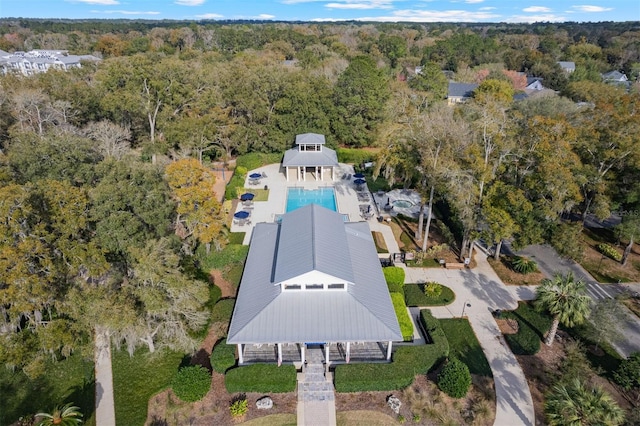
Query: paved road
[[550, 263]]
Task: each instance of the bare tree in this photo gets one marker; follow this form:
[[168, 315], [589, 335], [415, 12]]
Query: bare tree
[[113, 141]]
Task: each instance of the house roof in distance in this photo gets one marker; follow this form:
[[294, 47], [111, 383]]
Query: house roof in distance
[[338, 252], [461, 90]]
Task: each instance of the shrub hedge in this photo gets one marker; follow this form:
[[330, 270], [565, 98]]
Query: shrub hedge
[[223, 356], [262, 378], [191, 383], [408, 361], [394, 275], [609, 251], [455, 379], [396, 288], [406, 325], [222, 310], [254, 160], [628, 374], [354, 156]]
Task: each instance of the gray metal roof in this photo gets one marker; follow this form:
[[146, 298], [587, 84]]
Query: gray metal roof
[[310, 139], [567, 65], [312, 239], [326, 157], [461, 90], [264, 314]]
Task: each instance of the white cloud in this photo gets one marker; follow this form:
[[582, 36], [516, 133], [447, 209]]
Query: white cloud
[[473, 1], [210, 16], [125, 12], [536, 9], [265, 16], [536, 18], [411, 15], [100, 2], [588, 8], [189, 2], [361, 4]]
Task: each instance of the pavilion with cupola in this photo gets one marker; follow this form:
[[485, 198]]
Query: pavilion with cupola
[[310, 158]]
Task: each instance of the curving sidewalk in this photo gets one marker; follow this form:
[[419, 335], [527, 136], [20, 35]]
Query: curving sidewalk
[[483, 292]]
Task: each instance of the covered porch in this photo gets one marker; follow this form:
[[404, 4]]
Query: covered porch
[[333, 352]]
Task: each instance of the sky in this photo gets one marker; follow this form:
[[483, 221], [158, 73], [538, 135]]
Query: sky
[[331, 10]]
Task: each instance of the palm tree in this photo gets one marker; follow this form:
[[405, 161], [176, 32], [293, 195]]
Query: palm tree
[[565, 299], [575, 404], [67, 415]]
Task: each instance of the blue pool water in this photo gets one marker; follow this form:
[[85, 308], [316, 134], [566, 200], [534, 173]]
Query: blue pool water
[[298, 197]]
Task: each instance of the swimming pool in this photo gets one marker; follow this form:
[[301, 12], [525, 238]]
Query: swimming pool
[[299, 197]]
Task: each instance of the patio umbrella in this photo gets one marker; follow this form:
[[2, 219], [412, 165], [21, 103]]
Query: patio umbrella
[[359, 181], [241, 215], [247, 196], [359, 176], [255, 175]]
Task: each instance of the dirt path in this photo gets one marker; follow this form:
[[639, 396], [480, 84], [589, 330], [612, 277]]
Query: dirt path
[[221, 181], [228, 290]]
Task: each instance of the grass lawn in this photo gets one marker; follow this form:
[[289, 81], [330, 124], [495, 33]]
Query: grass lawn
[[528, 316], [381, 245], [66, 381], [236, 237], [137, 378], [361, 417], [414, 296], [274, 420], [464, 345], [260, 194]]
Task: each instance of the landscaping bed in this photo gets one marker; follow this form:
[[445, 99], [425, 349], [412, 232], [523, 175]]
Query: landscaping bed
[[602, 267], [503, 269]]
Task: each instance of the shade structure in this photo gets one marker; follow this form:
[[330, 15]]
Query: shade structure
[[255, 175], [359, 176], [241, 215], [247, 196], [359, 181]]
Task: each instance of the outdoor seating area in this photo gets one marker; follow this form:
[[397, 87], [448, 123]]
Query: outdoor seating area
[[366, 212], [363, 196]]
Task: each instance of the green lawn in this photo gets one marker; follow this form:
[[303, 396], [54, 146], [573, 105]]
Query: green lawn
[[137, 378], [66, 381], [414, 296], [464, 345]]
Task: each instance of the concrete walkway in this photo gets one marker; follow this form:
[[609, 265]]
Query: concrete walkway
[[479, 292], [105, 408], [316, 398]]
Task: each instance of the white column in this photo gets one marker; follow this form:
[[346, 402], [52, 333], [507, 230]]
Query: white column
[[348, 358], [240, 357], [279, 353], [389, 350], [326, 353], [286, 172], [302, 354], [321, 173]]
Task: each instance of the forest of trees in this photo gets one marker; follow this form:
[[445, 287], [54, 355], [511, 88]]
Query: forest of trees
[[103, 170]]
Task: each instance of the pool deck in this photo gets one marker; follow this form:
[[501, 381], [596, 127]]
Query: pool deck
[[266, 211]]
